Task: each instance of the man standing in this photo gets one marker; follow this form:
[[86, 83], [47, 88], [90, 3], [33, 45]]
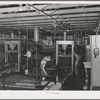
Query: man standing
[[79, 81], [29, 66]]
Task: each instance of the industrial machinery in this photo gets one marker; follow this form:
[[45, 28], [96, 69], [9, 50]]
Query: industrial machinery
[[13, 53], [95, 61], [65, 56]]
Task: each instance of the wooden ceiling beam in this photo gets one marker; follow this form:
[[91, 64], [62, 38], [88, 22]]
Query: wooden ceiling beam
[[76, 22], [41, 18], [41, 7], [59, 12], [72, 20]]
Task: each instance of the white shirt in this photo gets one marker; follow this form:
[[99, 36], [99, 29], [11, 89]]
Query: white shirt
[[76, 69], [44, 62], [28, 53]]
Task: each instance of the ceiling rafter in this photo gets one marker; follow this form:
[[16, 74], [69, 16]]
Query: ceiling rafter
[[79, 16]]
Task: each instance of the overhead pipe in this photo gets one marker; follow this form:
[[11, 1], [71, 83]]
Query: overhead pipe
[[64, 45], [65, 36], [36, 33]]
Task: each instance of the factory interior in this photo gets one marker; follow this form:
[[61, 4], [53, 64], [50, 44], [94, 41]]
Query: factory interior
[[49, 46]]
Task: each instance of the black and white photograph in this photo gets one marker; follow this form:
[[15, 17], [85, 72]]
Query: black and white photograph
[[49, 46]]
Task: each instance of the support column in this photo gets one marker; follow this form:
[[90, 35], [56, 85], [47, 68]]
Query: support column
[[36, 39]]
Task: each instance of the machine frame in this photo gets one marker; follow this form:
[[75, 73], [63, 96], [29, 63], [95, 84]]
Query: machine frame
[[18, 43], [65, 43]]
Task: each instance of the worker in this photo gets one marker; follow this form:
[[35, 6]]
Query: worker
[[28, 54], [80, 73], [43, 64], [76, 80]]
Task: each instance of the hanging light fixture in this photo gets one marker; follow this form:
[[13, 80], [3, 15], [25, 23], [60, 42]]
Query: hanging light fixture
[[19, 33], [20, 9]]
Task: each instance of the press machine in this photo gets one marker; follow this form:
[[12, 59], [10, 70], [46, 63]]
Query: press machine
[[13, 53], [64, 57]]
